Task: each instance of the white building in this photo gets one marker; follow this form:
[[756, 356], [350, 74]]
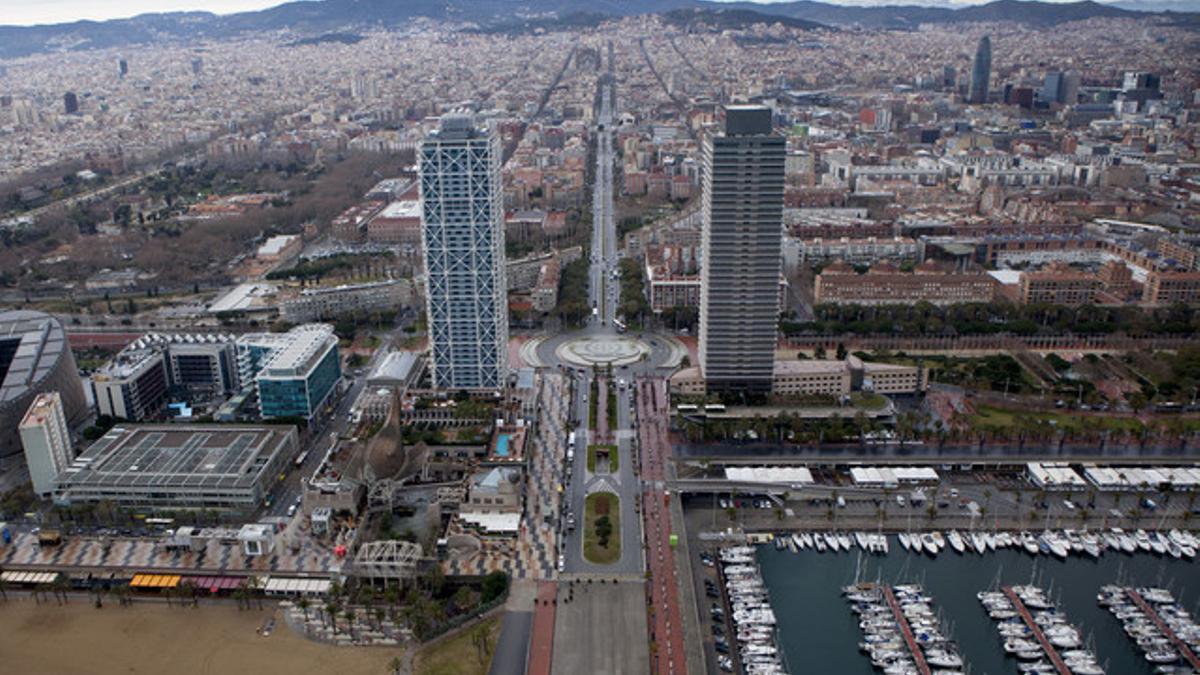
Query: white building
[[462, 235], [47, 441]]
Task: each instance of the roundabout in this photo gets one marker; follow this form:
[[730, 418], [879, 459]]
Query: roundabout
[[590, 347], [602, 350]]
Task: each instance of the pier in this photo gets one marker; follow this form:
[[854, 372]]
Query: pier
[[1051, 652], [1180, 645], [906, 630]]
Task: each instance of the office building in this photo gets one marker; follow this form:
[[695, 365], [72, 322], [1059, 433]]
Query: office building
[[123, 66], [824, 377], [70, 103], [1134, 80], [34, 358], [47, 441], [1051, 91], [462, 235], [133, 386], [295, 372], [180, 466], [741, 245], [981, 72]]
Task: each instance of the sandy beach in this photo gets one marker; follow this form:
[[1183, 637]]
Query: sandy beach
[[154, 638]]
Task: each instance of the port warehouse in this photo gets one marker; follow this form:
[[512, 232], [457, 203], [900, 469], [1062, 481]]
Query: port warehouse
[[156, 582], [180, 466]]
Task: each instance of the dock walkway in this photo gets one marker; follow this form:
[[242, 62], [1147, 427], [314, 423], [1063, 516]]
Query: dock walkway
[[1057, 660], [1180, 645], [906, 630]]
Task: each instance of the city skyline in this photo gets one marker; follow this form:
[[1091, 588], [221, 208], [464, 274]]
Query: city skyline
[[411, 323], [49, 12]]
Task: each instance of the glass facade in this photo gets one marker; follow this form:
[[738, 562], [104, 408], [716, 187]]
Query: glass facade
[[463, 240], [302, 395]]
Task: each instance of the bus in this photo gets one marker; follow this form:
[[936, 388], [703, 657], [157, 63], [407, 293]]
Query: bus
[[620, 325], [164, 522], [571, 440], [714, 408], [687, 408], [300, 459]]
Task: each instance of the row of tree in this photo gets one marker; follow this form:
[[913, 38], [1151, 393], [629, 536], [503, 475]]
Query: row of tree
[[924, 318]]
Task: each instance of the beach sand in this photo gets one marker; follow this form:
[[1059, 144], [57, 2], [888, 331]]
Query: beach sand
[[153, 638]]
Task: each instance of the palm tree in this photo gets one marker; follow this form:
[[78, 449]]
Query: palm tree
[[61, 588], [331, 608], [348, 615], [303, 603], [395, 665], [378, 613]]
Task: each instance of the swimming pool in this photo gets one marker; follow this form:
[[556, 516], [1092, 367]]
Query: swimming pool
[[502, 445]]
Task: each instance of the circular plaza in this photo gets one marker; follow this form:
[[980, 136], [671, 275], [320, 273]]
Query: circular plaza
[[602, 350]]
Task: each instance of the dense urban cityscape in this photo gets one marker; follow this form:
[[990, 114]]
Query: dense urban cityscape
[[548, 338]]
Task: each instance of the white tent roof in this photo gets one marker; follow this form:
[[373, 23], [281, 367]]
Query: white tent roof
[[769, 474]]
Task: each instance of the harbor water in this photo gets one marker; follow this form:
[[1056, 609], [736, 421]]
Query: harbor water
[[818, 633]]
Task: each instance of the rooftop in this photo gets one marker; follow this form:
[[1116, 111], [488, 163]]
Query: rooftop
[[403, 209], [302, 345], [31, 343], [396, 366], [41, 408], [177, 456]]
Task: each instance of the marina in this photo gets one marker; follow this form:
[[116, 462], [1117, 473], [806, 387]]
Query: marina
[[749, 609], [1163, 630], [901, 633], [815, 633], [1057, 543]]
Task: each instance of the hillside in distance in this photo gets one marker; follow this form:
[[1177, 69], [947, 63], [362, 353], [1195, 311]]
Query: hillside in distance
[[311, 18]]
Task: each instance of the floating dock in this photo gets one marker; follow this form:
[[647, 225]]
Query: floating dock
[[906, 630], [1059, 664], [1180, 645]]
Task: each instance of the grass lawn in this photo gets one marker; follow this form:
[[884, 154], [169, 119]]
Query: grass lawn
[[866, 401], [602, 504], [613, 458], [612, 406], [458, 655], [987, 416], [593, 394]]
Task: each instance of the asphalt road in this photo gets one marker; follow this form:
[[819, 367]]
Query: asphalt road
[[321, 433]]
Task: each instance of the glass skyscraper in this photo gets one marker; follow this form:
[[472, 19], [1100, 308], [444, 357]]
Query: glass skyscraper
[[981, 72], [462, 234], [742, 240]]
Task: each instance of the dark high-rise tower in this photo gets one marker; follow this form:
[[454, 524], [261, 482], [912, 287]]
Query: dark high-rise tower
[[742, 238], [124, 67], [70, 103], [981, 72]]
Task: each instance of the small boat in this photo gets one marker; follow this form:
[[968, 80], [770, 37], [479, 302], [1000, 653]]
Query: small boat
[[956, 541]]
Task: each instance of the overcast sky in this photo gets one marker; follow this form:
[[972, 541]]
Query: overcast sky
[[28, 12]]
